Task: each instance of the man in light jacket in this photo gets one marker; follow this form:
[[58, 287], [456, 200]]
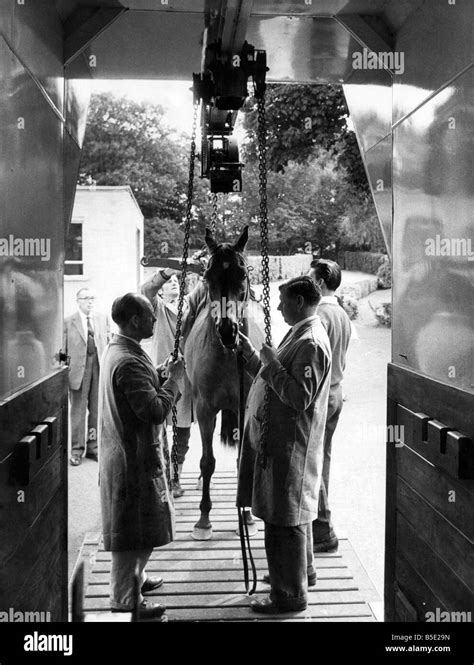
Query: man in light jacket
[[137, 505], [280, 477], [162, 290], [327, 275], [86, 334]]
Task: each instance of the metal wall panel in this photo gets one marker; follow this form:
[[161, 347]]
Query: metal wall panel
[[148, 45], [431, 59], [31, 230], [301, 49], [369, 98], [433, 323], [77, 86], [378, 162], [34, 33], [72, 160]]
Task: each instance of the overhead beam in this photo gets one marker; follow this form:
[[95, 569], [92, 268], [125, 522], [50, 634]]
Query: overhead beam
[[236, 18], [80, 31]]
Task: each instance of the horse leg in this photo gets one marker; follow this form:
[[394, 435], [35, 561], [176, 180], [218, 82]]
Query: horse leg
[[207, 422]]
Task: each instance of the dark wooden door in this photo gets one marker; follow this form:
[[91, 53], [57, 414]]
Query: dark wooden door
[[429, 558], [33, 499]]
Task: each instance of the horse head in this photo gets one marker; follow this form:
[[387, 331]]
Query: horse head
[[227, 280]]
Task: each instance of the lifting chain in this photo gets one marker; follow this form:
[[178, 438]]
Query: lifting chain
[[262, 187], [182, 283], [214, 214]]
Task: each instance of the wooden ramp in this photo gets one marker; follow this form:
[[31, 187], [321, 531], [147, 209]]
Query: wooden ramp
[[204, 580]]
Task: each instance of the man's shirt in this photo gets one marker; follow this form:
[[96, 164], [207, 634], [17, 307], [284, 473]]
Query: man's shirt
[[338, 328]]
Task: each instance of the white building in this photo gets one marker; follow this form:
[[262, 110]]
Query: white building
[[104, 246]]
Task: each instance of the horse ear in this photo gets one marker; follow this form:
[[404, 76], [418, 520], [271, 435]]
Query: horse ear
[[242, 241], [210, 242]]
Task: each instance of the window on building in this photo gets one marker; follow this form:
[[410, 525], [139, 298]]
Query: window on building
[[74, 264]]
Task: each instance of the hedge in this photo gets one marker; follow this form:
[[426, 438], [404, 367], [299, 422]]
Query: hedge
[[362, 261], [280, 267]]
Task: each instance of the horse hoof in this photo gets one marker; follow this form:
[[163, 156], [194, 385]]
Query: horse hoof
[[252, 529], [201, 534]]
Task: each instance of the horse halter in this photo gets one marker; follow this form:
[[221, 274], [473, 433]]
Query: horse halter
[[234, 311]]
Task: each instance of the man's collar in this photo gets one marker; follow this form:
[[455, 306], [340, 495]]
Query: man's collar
[[329, 300], [301, 323], [130, 339]]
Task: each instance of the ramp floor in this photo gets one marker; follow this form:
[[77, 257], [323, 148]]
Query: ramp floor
[[204, 579]]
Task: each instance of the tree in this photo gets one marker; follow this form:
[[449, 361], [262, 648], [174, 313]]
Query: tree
[[302, 119], [163, 238], [128, 143]]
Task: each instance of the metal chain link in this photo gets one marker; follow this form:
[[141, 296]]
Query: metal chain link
[[214, 214], [262, 187], [182, 283]]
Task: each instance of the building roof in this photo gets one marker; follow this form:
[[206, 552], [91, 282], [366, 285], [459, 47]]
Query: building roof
[[110, 188]]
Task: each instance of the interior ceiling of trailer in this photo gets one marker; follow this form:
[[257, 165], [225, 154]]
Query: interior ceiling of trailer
[[393, 14], [147, 39]]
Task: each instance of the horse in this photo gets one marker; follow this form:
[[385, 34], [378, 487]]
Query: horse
[[210, 353]]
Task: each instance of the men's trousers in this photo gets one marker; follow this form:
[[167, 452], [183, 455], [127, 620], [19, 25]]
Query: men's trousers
[[322, 526], [124, 565], [289, 552], [86, 398]]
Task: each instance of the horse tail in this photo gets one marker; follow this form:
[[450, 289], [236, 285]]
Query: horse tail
[[229, 428]]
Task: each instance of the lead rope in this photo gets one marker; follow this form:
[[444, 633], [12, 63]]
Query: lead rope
[[182, 283], [243, 526]]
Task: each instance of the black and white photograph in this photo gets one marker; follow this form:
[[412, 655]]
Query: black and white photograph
[[236, 332]]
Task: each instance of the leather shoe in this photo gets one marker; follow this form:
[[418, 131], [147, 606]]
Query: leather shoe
[[312, 579], [267, 606], [151, 583], [92, 456], [328, 545], [146, 610], [75, 461]]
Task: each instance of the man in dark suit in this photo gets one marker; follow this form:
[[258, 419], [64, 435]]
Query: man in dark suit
[[86, 334]]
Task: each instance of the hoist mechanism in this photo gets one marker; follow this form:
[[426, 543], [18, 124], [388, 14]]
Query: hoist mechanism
[[222, 88]]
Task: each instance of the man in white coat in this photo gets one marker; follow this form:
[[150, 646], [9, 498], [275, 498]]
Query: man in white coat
[[280, 476], [136, 501]]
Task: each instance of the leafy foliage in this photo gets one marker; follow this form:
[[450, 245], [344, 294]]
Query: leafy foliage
[[129, 143], [163, 238], [350, 305], [302, 119], [317, 190], [384, 274]]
